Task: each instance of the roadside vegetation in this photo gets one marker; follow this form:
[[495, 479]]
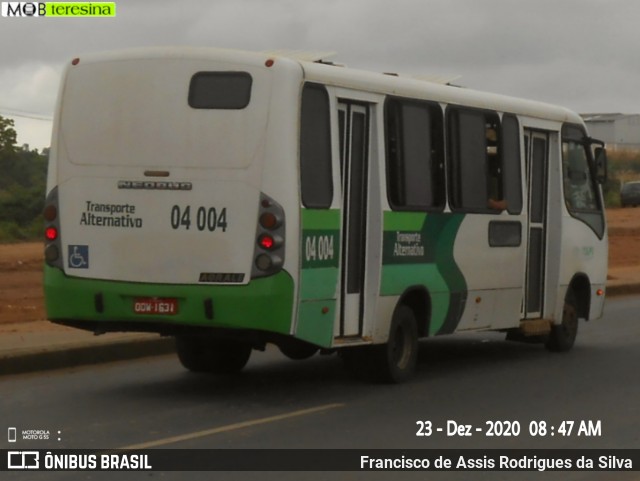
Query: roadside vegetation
[[23, 175]]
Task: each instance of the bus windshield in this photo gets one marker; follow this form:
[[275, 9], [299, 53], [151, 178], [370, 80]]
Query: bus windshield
[[581, 194]]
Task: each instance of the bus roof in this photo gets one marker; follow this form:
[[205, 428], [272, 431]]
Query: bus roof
[[423, 89], [339, 76]]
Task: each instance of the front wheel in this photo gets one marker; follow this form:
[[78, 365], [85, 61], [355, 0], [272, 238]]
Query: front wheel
[[563, 336], [214, 355]]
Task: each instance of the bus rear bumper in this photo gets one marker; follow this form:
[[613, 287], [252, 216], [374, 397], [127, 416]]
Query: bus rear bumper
[[105, 306]]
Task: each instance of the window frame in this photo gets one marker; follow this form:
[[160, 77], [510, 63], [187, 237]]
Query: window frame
[[594, 218], [456, 164], [397, 174], [308, 177], [192, 93], [505, 171]]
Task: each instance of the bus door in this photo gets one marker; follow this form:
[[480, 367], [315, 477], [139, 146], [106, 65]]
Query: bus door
[[354, 174], [537, 156]]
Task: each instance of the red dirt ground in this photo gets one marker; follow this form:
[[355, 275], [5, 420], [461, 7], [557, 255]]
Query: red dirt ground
[[21, 298]]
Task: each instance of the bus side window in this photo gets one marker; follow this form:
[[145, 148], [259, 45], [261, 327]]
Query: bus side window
[[495, 196], [475, 153], [415, 159], [511, 171], [315, 148]]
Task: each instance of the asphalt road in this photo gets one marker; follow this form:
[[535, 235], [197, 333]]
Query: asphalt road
[[277, 403]]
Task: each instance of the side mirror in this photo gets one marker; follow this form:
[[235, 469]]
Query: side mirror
[[599, 159]]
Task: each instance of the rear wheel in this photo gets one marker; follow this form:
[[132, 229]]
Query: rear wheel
[[214, 355], [397, 359], [393, 362], [563, 336]]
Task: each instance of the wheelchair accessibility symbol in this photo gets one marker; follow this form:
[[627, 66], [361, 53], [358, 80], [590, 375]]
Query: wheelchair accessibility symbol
[[78, 257]]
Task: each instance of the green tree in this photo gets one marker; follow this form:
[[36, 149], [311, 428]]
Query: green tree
[[8, 136], [22, 187]]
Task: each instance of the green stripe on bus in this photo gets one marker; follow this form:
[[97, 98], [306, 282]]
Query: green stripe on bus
[[320, 242], [318, 316], [404, 221], [319, 274], [318, 283], [418, 250], [264, 303], [319, 219], [442, 230], [320, 248], [396, 278]]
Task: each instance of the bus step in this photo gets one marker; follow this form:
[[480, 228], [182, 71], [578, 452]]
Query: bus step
[[351, 341], [535, 327]]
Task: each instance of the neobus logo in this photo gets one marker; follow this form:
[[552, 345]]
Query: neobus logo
[[154, 185], [58, 9]]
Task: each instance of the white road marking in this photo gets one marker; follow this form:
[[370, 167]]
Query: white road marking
[[233, 427]]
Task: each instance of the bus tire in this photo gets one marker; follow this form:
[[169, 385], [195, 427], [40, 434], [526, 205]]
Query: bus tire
[[217, 356], [396, 360], [563, 335], [392, 362]]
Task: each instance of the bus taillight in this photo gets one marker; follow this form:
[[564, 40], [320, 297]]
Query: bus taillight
[[269, 242], [50, 213], [53, 247], [269, 220], [269, 251], [51, 233], [267, 263], [51, 253], [266, 241]]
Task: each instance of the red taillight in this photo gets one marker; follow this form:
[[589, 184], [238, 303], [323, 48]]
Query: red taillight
[[51, 233], [269, 247], [266, 241]]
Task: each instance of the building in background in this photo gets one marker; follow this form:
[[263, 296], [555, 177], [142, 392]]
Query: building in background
[[618, 131]]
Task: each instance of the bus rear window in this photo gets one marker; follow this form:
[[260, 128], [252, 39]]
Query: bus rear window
[[220, 90]]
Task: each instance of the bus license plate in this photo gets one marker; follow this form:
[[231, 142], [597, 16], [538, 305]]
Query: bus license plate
[[155, 305]]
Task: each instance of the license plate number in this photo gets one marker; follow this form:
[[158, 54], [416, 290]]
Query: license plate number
[[155, 305]]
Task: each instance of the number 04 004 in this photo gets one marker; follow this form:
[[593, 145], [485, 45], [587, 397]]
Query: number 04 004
[[206, 218], [318, 248]]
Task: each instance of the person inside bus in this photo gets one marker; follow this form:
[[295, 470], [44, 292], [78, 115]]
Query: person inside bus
[[497, 204], [495, 199]]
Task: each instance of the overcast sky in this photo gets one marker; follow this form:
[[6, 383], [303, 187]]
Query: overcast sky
[[582, 54]]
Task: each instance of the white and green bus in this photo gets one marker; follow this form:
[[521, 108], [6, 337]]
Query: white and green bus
[[235, 199]]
